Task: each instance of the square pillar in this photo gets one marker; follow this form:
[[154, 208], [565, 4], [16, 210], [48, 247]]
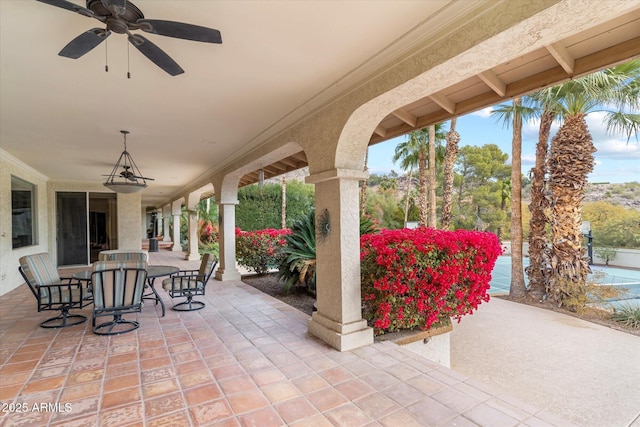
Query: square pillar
[[193, 254], [338, 320], [227, 241], [176, 233]]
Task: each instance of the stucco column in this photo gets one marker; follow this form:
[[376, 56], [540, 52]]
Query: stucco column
[[227, 241], [166, 237], [176, 233], [338, 320], [193, 254]]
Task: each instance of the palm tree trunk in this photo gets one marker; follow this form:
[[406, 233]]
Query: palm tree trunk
[[432, 177], [406, 200], [363, 189], [570, 161], [518, 288], [450, 154], [422, 178], [538, 253]]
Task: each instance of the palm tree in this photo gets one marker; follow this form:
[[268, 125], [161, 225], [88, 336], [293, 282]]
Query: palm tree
[[363, 189], [571, 160], [450, 154], [547, 100], [432, 177], [513, 114], [414, 152]]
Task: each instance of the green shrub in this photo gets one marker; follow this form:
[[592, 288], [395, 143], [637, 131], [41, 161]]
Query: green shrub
[[628, 315], [261, 250]]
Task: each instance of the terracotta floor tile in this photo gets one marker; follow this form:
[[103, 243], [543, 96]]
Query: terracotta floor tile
[[27, 419], [267, 376], [201, 394], [85, 376], [83, 421], [71, 393], [377, 405], [227, 371], [121, 382], [165, 404], [175, 419], [44, 384], [211, 411], [7, 393], [154, 352], [157, 374], [190, 366], [25, 356], [121, 358], [326, 399], [15, 378], [280, 391], [336, 375], [295, 409], [195, 378], [84, 407], [247, 401], [156, 362], [318, 420], [120, 397], [13, 368], [402, 418], [159, 388], [310, 383], [266, 417], [237, 384], [354, 389], [125, 368], [121, 415], [348, 416]]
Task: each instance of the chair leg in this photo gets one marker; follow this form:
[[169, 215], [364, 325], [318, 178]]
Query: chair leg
[[189, 305], [107, 328], [64, 320]]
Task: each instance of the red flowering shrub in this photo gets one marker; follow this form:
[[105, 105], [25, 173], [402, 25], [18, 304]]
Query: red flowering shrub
[[260, 250], [423, 277], [208, 232]]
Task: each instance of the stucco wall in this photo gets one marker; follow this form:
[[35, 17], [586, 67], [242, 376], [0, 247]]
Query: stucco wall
[[130, 230], [9, 165]]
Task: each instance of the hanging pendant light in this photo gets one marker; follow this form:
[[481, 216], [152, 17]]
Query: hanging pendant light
[[126, 177]]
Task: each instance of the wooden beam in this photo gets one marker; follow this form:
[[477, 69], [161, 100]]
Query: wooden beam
[[408, 118], [562, 56], [444, 102], [380, 131], [494, 82]]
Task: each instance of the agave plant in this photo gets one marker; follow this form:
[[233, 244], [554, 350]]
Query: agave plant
[[299, 265]]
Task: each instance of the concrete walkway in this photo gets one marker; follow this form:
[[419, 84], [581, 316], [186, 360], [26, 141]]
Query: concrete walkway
[[583, 372]]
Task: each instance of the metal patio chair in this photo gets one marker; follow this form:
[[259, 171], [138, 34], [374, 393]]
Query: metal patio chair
[[189, 283], [53, 292], [117, 290]]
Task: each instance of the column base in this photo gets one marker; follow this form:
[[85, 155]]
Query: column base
[[176, 247], [226, 275], [342, 337], [192, 257]]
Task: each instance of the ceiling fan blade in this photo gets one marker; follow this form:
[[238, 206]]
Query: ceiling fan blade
[[180, 30], [117, 7], [84, 43], [69, 6], [155, 54]]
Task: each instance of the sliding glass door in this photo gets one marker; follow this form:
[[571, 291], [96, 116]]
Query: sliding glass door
[[86, 223]]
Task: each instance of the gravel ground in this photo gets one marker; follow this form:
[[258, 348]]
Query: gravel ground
[[270, 284]]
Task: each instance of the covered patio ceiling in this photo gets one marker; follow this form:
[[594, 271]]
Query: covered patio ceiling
[[594, 49], [279, 62]]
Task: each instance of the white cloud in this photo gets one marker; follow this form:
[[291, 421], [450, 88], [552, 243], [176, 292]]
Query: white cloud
[[528, 159], [617, 149], [484, 113]]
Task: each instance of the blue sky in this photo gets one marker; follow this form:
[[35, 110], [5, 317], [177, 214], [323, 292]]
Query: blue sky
[[616, 160]]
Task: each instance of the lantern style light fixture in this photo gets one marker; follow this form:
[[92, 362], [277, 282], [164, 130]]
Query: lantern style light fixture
[[126, 177]]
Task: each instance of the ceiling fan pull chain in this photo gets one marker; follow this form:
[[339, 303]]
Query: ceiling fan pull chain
[[128, 73], [106, 57]]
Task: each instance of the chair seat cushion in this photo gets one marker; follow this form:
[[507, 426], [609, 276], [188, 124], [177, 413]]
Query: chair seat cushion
[[181, 283]]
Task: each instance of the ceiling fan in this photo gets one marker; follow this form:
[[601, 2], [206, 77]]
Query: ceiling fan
[[122, 17]]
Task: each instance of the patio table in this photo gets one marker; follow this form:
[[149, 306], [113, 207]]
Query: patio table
[[153, 272]]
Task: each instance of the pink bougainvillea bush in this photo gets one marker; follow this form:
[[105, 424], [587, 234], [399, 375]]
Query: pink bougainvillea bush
[[420, 278], [260, 250]]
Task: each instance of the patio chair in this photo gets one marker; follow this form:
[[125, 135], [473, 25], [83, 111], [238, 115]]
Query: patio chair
[[189, 283], [117, 290], [122, 255], [53, 292]]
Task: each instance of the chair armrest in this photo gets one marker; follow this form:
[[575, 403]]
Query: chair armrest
[[193, 272], [61, 293]]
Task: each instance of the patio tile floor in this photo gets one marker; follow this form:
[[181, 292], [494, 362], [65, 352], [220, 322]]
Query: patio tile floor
[[244, 360]]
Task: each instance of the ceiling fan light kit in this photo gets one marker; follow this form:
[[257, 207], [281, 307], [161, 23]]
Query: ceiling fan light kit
[[123, 17], [128, 180]]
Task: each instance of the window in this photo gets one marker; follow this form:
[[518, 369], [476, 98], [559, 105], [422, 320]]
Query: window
[[23, 213]]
